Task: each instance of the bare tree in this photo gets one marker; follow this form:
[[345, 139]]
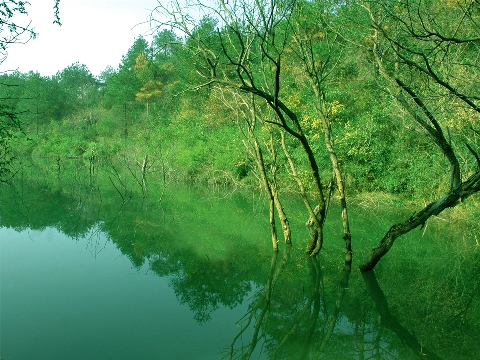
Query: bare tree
[[318, 49], [12, 32], [246, 53], [430, 65], [249, 118]]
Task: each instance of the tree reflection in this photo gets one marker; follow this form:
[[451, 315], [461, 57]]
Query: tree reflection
[[290, 326], [301, 307], [203, 284], [389, 321], [259, 311]]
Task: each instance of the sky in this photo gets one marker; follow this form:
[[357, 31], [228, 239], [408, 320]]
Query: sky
[[96, 33]]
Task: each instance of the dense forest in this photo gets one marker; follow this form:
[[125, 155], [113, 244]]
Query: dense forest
[[328, 99]]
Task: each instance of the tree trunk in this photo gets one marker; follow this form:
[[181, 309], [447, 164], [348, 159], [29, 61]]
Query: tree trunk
[[458, 190], [316, 240], [274, 187], [272, 223], [347, 236], [268, 189], [273, 196], [329, 143], [467, 188], [144, 175], [287, 234]]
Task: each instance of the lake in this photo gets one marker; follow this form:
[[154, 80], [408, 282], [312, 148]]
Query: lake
[[95, 265]]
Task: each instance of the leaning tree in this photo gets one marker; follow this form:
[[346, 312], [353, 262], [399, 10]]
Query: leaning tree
[[426, 53]]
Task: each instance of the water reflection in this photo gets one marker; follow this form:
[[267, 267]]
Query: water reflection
[[258, 314], [317, 323], [62, 300], [192, 272], [389, 321]]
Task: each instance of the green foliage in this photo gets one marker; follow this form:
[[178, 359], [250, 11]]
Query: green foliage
[[9, 125], [120, 87], [151, 105], [78, 88], [184, 237]]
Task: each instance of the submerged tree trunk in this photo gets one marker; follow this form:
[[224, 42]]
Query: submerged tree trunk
[[249, 114], [269, 184], [467, 188], [274, 188], [268, 188], [273, 228], [316, 239], [318, 75], [347, 236], [424, 117], [287, 234]]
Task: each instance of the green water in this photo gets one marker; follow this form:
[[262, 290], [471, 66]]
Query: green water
[[92, 267]]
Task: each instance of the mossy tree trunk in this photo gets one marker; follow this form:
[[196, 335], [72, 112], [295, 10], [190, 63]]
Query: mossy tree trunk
[[247, 116], [316, 48], [453, 198], [403, 57], [250, 59]]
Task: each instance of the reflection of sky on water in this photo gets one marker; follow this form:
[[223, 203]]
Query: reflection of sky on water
[[63, 299]]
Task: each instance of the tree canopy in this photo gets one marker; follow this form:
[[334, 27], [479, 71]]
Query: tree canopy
[[325, 99], [11, 32]]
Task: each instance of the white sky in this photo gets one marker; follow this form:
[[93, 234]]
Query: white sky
[[96, 33]]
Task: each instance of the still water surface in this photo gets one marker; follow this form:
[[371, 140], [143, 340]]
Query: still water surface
[[69, 299], [91, 272]]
